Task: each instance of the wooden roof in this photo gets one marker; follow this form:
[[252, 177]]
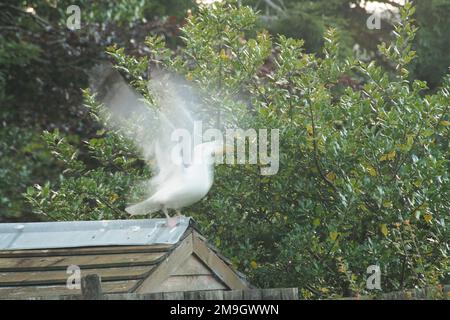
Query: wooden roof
[[189, 264]]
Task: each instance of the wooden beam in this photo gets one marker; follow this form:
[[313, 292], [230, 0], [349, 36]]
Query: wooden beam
[[133, 296], [168, 266], [232, 295], [289, 293], [26, 253], [61, 291], [173, 295], [86, 261], [253, 294], [223, 271], [270, 294], [47, 278]]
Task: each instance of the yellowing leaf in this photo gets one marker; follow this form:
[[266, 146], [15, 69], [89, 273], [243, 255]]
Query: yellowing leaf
[[333, 235], [444, 123], [387, 204], [427, 217], [363, 207], [331, 176], [253, 264], [423, 206], [316, 222], [391, 155], [113, 197], [384, 229], [388, 156], [223, 55], [371, 171]]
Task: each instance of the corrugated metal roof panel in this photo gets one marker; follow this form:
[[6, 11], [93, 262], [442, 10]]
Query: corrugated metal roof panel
[[70, 234]]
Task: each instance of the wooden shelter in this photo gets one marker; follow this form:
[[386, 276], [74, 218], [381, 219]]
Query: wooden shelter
[[130, 256]]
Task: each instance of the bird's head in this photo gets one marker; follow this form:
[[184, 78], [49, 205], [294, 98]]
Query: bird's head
[[208, 151]]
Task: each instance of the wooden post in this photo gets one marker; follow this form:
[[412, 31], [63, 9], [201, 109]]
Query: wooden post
[[91, 287]]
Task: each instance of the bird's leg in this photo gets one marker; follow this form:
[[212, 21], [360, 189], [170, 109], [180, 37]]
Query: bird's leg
[[166, 213], [171, 222]]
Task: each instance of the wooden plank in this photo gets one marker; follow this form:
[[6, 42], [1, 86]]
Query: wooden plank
[[65, 297], [133, 296], [49, 291], [253, 294], [151, 296], [120, 296], [192, 266], [271, 294], [173, 295], [84, 251], [60, 276], [191, 283], [192, 295], [289, 293], [217, 265], [213, 295], [204, 295], [232, 295], [91, 261], [164, 269]]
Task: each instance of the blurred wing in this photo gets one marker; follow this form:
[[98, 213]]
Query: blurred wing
[[151, 127], [176, 104]]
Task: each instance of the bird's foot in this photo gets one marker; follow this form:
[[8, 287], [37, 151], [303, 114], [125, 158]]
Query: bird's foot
[[172, 222]]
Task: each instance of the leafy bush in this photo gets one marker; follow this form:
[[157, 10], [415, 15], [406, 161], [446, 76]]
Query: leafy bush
[[363, 176], [24, 161]]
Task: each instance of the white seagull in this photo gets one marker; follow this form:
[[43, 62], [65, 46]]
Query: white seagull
[[178, 186], [178, 182]]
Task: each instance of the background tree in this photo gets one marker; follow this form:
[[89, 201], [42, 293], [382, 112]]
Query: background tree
[[304, 19]]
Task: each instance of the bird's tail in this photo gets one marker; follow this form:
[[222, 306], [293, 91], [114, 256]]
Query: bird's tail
[[142, 208]]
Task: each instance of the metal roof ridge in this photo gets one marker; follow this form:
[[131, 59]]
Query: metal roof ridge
[[67, 234]]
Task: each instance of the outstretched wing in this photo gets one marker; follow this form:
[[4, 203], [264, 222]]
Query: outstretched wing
[[173, 141], [153, 128]]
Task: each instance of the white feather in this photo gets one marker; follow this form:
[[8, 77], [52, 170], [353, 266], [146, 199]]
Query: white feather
[[182, 176]]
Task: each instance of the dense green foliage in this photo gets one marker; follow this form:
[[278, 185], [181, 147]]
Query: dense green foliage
[[305, 19], [363, 176]]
